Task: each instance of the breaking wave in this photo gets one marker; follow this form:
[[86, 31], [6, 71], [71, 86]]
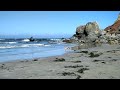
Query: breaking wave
[[26, 40], [24, 46]]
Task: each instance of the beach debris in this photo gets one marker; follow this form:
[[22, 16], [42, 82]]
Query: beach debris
[[82, 70], [76, 66], [59, 60], [78, 77]]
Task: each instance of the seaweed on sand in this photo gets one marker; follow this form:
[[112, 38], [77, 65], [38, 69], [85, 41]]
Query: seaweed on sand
[[59, 60], [68, 74], [76, 61], [82, 70], [74, 66], [94, 55], [78, 77], [97, 60]]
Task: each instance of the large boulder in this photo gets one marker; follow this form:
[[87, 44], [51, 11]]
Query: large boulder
[[90, 30], [92, 27]]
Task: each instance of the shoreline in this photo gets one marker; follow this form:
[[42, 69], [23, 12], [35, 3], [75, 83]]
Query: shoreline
[[94, 63]]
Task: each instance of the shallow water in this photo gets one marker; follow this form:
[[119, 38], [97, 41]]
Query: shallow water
[[12, 49]]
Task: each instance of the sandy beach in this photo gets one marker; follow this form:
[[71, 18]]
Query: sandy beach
[[101, 62]]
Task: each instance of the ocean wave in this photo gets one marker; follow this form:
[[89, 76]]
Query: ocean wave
[[28, 45], [47, 45], [55, 39], [24, 46], [7, 47], [26, 40], [10, 42], [2, 39]]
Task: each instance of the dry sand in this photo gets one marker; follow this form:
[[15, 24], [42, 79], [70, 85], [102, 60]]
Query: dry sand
[[102, 63]]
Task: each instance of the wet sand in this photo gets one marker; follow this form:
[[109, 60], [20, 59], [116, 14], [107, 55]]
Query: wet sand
[[94, 63]]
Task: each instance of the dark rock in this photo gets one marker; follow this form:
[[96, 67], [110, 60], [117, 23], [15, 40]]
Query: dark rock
[[67, 41], [94, 55], [35, 60], [84, 52], [31, 39], [103, 62]]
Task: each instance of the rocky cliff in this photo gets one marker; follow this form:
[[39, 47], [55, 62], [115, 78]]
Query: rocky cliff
[[90, 34], [114, 28]]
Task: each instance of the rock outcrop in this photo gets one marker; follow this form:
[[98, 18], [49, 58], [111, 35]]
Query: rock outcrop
[[113, 29], [90, 31], [90, 35]]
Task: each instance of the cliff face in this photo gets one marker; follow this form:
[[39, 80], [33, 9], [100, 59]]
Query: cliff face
[[114, 28], [91, 34]]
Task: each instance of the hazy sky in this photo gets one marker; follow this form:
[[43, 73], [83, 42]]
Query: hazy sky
[[49, 23]]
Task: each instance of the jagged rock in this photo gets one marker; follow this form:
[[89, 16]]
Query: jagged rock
[[67, 40], [118, 18], [114, 28]]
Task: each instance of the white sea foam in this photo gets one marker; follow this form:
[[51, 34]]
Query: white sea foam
[[26, 40], [5, 47], [47, 45], [10, 42], [23, 46], [32, 45]]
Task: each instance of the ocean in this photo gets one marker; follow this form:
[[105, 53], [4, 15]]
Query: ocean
[[22, 48]]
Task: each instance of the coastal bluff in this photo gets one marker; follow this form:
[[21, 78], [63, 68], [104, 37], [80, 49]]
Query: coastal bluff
[[90, 34]]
